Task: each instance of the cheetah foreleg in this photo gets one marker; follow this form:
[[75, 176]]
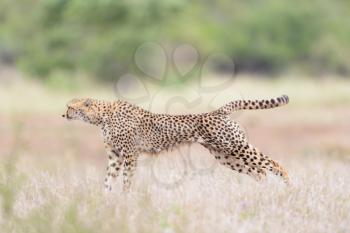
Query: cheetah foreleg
[[130, 164], [115, 160]]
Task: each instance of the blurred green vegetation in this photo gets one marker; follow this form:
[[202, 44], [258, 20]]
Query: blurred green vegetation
[[99, 37]]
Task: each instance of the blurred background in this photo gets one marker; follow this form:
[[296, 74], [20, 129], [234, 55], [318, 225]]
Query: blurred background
[[54, 50], [98, 38]]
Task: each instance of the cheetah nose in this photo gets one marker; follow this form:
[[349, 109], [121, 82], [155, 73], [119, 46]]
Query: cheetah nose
[[63, 115]]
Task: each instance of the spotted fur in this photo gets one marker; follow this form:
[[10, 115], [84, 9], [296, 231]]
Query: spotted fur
[[129, 130]]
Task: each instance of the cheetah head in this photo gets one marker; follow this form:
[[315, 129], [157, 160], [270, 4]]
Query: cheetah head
[[85, 109]]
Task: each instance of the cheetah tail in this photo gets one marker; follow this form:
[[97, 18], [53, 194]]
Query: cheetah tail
[[252, 104]]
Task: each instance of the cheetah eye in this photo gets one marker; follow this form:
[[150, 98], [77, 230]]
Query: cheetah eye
[[87, 103]]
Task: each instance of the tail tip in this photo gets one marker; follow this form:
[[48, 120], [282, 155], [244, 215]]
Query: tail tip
[[285, 98]]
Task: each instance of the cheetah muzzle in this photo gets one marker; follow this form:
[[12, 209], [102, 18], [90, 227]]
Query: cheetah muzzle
[[129, 130]]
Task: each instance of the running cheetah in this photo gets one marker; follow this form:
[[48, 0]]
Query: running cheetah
[[129, 130]]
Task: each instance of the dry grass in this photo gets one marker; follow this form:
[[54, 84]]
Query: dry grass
[[56, 186], [70, 199]]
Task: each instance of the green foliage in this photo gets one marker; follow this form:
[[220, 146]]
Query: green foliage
[[274, 34], [99, 37]]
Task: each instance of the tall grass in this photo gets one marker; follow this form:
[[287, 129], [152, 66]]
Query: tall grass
[[222, 201]]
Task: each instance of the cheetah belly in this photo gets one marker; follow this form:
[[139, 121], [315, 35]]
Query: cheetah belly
[[159, 139]]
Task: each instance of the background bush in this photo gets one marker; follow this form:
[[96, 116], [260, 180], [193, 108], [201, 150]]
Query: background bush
[[99, 37]]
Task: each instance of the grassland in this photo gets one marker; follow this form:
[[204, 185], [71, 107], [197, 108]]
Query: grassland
[[51, 171]]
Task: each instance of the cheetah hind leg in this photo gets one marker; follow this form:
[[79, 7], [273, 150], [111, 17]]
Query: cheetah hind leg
[[278, 170], [265, 162], [235, 164], [257, 173]]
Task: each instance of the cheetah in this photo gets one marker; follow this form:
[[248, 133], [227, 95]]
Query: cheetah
[[129, 130]]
